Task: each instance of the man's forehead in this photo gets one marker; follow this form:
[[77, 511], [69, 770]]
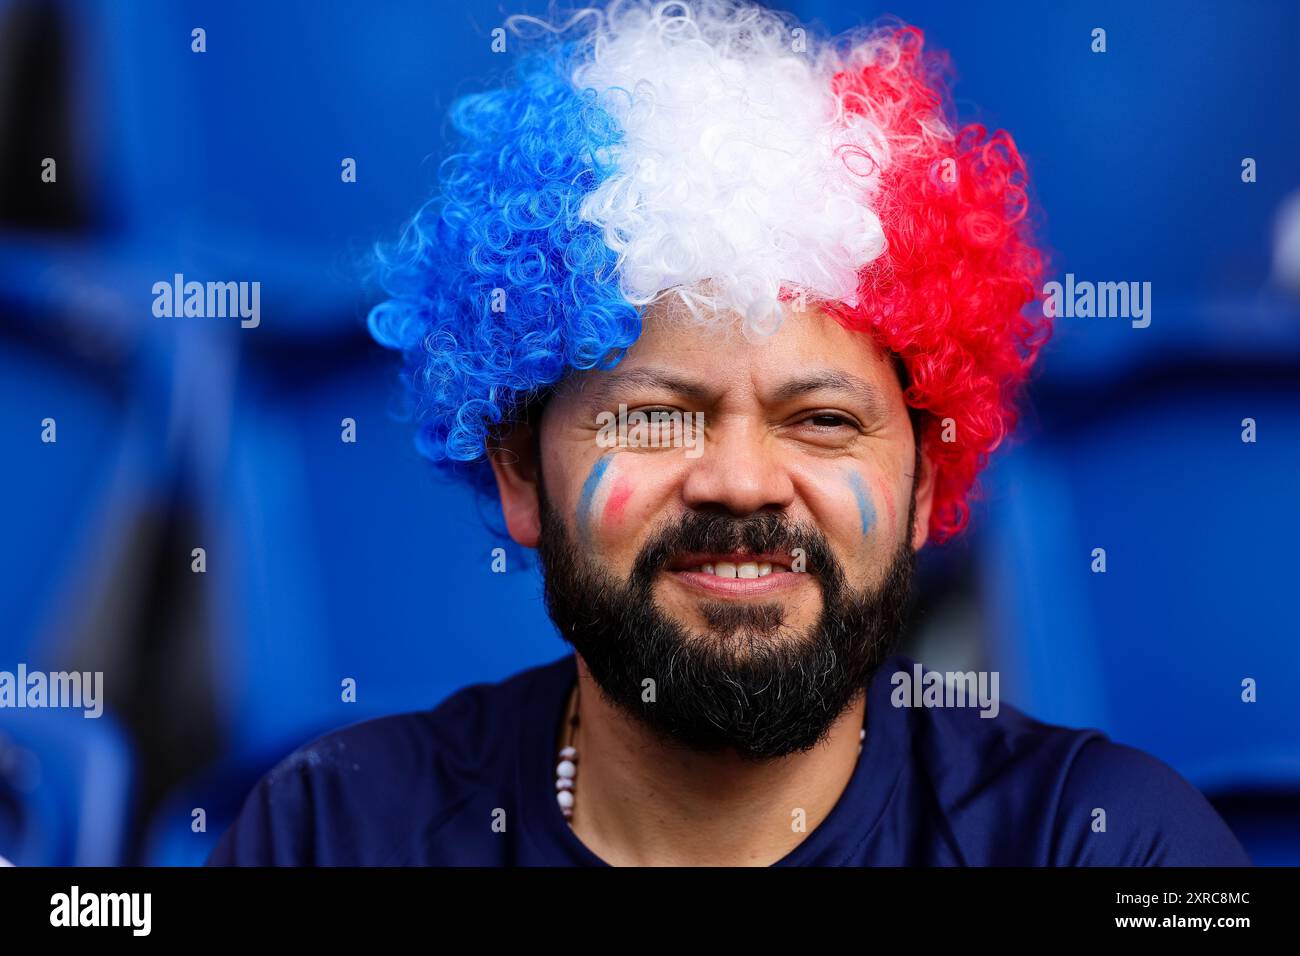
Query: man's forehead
[[809, 352], [783, 368]]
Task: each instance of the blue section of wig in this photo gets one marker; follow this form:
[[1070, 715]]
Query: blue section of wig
[[497, 287]]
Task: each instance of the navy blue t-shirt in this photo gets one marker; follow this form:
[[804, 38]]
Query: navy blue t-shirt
[[933, 786]]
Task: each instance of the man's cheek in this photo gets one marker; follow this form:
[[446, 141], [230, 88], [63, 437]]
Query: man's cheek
[[592, 496], [860, 491], [854, 508], [886, 498], [603, 502], [620, 493], [875, 505]]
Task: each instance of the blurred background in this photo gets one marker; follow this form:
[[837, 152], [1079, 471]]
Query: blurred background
[[328, 560]]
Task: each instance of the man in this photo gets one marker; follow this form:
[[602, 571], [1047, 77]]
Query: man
[[732, 317]]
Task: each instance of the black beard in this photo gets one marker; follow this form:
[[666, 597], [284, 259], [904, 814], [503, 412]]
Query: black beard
[[752, 684]]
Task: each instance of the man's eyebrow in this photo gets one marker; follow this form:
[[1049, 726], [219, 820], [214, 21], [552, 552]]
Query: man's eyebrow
[[600, 389], [829, 380]]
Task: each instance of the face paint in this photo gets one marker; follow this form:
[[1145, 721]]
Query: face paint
[[618, 497], [866, 511], [587, 497], [888, 499]]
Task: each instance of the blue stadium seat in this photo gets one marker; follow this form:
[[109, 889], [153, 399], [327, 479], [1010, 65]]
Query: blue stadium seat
[[59, 492], [352, 561], [341, 561], [1199, 542]]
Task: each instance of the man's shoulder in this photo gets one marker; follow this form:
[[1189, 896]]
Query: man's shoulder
[[458, 730], [391, 778], [966, 735], [1121, 806], [1020, 790], [469, 728]]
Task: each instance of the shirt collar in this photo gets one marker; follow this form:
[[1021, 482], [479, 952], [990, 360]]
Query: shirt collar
[[850, 824]]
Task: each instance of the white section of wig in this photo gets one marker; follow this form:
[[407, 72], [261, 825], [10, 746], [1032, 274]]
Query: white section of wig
[[739, 172]]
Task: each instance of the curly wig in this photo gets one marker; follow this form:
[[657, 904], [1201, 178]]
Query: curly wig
[[719, 152]]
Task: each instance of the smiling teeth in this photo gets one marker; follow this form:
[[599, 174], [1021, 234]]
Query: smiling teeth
[[725, 569]]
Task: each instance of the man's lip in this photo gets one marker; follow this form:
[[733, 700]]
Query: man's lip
[[696, 559], [773, 583]]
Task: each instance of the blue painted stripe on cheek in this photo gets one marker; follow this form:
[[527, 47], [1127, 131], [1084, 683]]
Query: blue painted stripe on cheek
[[866, 510], [588, 495]]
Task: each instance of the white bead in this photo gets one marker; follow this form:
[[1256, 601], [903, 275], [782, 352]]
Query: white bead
[[566, 768], [565, 800], [563, 784], [569, 753]]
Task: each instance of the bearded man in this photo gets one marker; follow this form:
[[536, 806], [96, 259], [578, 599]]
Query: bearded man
[[780, 251]]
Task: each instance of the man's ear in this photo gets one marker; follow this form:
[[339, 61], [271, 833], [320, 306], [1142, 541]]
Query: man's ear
[[924, 499], [513, 456]]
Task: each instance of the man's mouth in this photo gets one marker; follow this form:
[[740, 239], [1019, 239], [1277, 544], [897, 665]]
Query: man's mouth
[[736, 573]]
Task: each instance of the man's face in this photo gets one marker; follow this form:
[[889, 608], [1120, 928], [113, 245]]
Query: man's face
[[757, 576]]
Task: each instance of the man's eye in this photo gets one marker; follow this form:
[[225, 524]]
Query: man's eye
[[827, 420]]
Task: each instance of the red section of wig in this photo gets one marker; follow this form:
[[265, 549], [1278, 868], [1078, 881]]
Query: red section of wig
[[950, 294]]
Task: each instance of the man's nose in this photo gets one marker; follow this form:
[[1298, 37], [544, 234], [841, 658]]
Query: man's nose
[[740, 469]]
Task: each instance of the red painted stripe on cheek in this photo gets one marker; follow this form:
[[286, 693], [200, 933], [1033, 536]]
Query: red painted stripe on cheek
[[883, 489], [618, 497]]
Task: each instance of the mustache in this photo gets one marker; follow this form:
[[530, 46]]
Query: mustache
[[767, 532]]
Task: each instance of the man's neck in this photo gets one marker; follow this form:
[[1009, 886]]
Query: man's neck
[[640, 801]]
